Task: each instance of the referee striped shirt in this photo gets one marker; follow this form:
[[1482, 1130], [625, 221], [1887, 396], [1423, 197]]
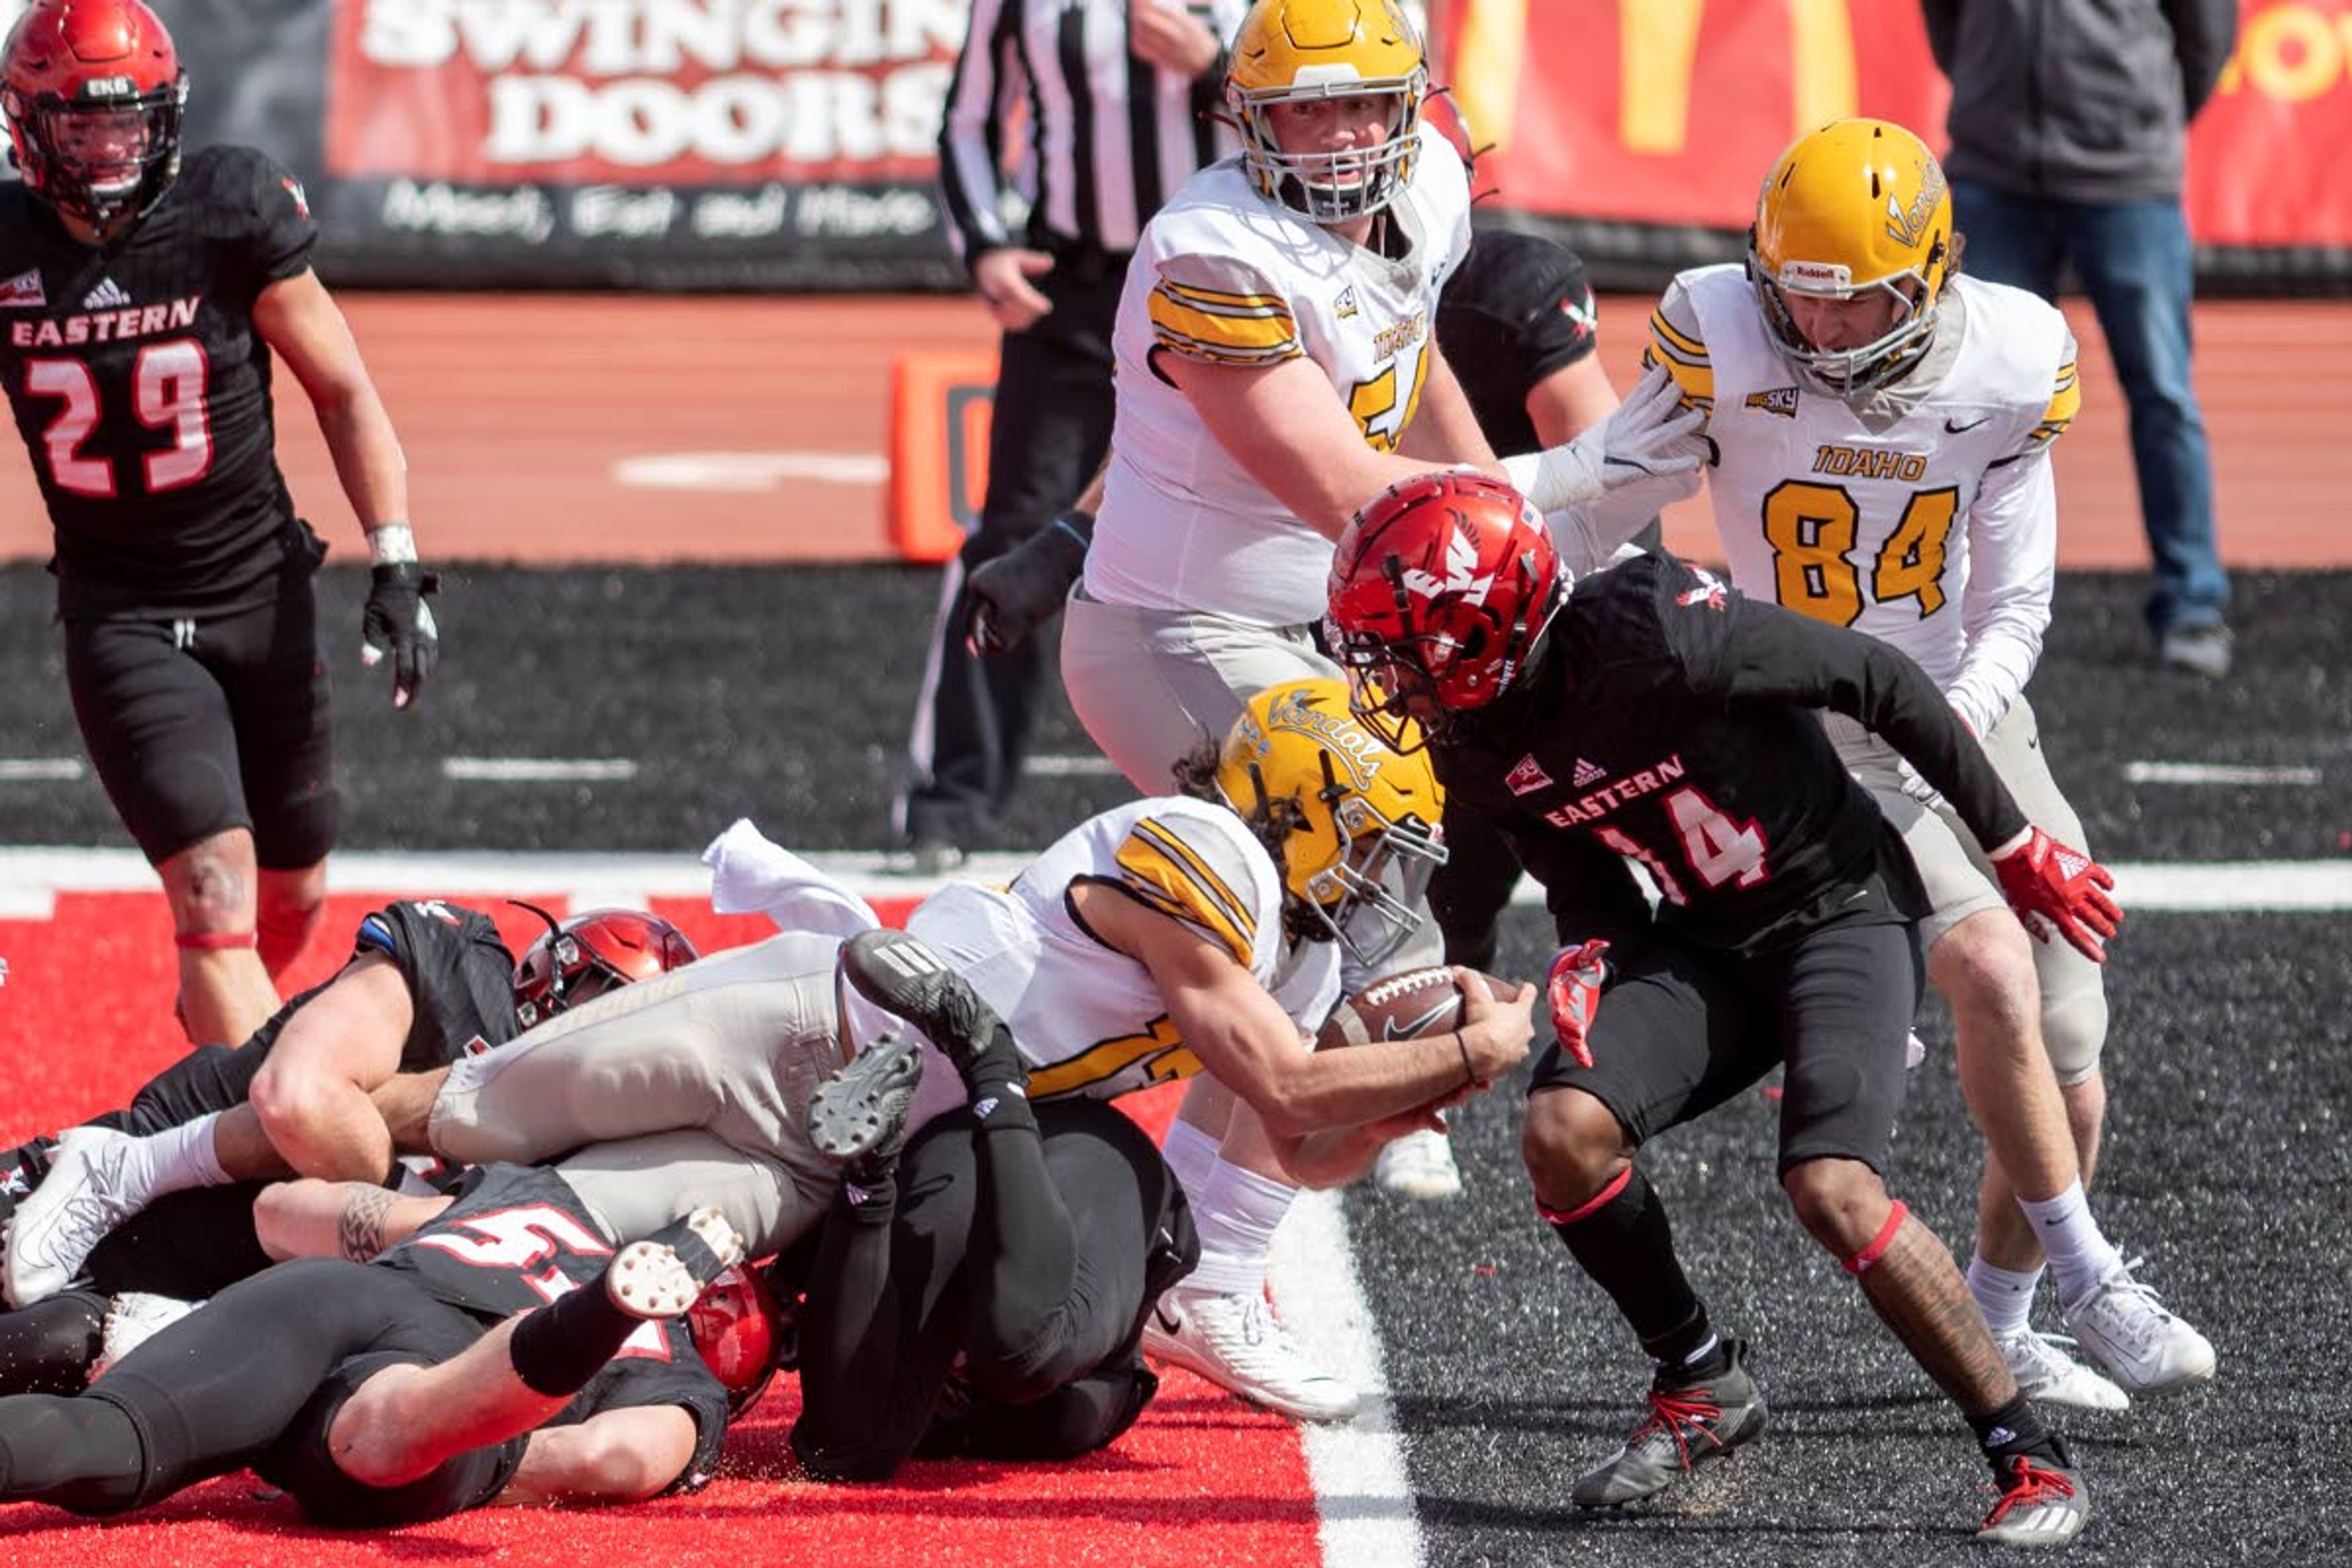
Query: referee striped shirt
[[1109, 135]]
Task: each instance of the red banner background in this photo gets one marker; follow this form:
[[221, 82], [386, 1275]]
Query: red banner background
[[1669, 112]]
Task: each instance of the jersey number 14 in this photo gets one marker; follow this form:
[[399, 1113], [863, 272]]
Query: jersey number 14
[[168, 383]]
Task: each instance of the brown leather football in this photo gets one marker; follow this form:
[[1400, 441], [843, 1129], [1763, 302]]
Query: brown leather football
[[1402, 1007]]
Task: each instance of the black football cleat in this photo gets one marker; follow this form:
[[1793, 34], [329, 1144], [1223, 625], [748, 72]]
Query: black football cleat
[[900, 973], [1691, 1422], [858, 1115], [2044, 1502]]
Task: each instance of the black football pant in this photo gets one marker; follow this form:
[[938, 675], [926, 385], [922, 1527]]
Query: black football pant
[[1047, 437], [1033, 1256], [254, 1379]]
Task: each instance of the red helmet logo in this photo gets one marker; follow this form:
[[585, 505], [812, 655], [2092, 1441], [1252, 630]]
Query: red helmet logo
[[738, 1333], [93, 92], [1440, 588]]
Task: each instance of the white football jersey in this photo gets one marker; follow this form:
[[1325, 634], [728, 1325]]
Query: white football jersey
[[1089, 1020], [1924, 513], [1225, 276]]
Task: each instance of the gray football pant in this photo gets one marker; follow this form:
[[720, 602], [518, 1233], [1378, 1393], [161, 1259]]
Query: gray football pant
[[686, 1089]]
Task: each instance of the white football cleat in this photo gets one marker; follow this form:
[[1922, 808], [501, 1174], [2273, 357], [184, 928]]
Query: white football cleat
[[87, 1193], [2125, 1328], [665, 1274], [131, 1319], [1236, 1342], [2046, 1375], [1418, 1165]]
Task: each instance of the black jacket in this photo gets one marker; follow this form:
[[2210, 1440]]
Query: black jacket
[[2081, 101]]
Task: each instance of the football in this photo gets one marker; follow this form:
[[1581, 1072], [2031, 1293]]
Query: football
[[1402, 1007]]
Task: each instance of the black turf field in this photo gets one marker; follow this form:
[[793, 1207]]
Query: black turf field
[[784, 694]]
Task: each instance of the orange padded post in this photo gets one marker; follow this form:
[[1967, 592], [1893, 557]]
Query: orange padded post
[[940, 408]]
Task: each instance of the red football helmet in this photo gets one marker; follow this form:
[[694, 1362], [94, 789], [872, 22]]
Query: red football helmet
[[1440, 589], [93, 91], [736, 1327], [581, 959]]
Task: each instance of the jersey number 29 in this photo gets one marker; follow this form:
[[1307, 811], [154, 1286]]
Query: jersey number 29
[[168, 383]]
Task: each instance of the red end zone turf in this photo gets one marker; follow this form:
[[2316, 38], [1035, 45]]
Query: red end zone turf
[[85, 1017]]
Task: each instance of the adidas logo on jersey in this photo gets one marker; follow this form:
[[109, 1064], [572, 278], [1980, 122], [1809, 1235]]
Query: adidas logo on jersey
[[24, 292], [1586, 775], [1528, 777], [108, 296]]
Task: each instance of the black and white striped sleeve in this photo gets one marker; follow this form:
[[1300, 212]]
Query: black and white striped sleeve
[[988, 78]]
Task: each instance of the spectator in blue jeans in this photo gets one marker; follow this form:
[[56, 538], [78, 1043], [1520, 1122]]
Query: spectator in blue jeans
[[2067, 125]]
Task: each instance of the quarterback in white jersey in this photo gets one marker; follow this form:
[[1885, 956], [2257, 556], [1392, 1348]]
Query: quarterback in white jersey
[[1166, 939], [1883, 428]]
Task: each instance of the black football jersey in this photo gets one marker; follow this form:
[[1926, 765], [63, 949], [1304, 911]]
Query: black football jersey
[[517, 1238], [1517, 309], [142, 389], [1669, 722], [459, 972]]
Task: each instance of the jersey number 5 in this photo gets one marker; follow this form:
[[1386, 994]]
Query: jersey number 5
[[168, 383], [1812, 528]]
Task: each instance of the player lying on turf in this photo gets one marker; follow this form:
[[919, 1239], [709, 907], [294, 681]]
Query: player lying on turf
[[437, 1378], [981, 1293], [428, 981]]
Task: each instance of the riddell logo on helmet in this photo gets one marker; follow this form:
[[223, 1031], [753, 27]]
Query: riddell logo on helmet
[[1816, 275]]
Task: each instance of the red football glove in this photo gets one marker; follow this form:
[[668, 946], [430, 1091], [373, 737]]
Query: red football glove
[[1574, 988], [2050, 885]]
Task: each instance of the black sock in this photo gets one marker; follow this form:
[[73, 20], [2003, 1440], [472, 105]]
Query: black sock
[[557, 1349], [1627, 1246], [2015, 1429], [996, 1070]]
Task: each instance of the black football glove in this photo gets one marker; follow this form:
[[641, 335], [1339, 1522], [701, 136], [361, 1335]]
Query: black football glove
[[1019, 591], [397, 620]]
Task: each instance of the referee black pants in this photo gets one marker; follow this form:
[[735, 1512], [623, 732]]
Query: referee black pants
[[991, 1302], [1047, 434]]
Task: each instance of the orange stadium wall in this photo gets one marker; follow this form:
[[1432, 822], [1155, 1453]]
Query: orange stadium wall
[[1641, 126]]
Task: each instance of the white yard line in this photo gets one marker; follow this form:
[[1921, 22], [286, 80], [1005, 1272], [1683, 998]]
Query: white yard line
[[30, 770], [538, 770], [2219, 773], [1363, 1494]]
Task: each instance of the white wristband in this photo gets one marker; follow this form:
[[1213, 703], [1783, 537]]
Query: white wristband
[[392, 544]]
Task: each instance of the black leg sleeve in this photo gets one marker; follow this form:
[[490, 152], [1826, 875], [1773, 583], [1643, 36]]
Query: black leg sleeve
[[1627, 1246], [882, 1320], [192, 1245], [1070, 1220], [215, 1390], [47, 1347], [80, 1454]]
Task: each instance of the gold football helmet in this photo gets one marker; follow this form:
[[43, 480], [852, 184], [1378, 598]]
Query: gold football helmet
[[1290, 50], [1856, 207], [1360, 859]]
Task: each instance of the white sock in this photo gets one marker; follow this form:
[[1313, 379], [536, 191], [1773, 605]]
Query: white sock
[[1193, 1155], [2079, 1253], [1236, 1216], [2005, 1296], [175, 1158]]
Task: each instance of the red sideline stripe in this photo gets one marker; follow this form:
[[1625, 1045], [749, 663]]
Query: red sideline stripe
[[86, 1017]]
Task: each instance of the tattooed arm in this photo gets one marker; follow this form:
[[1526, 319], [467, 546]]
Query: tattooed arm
[[336, 1219]]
